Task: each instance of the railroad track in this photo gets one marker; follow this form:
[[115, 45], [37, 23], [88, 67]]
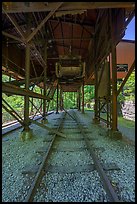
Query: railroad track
[[68, 157]]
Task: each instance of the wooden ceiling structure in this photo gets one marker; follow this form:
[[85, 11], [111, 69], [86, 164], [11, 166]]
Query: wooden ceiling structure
[[61, 26]]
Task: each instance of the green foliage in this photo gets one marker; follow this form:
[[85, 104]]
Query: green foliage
[[128, 92]]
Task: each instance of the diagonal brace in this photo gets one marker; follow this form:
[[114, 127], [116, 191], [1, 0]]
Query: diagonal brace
[[47, 128]]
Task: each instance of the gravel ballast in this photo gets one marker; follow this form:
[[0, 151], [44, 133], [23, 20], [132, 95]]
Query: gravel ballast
[[19, 157]]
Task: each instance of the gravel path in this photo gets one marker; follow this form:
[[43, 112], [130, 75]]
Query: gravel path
[[20, 157], [62, 186], [120, 152]]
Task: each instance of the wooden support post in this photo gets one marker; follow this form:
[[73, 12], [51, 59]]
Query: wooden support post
[[114, 89], [114, 76], [79, 100], [41, 100], [61, 99], [99, 103], [44, 120], [74, 99], [57, 99], [96, 95], [107, 113], [32, 105], [26, 98], [27, 132], [83, 96]]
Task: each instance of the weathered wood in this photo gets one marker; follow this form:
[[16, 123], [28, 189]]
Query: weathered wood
[[12, 89], [114, 75], [13, 21], [12, 36], [43, 22], [16, 7], [47, 128]]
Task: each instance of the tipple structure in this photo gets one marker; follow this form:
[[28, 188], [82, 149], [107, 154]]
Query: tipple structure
[[63, 46]]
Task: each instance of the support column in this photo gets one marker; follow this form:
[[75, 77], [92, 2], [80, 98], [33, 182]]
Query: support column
[[27, 132], [114, 88], [32, 105], [83, 97], [79, 102], [41, 100], [96, 96], [61, 99], [57, 99], [44, 120], [114, 128]]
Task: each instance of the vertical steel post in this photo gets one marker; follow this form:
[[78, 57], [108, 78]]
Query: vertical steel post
[[45, 85], [83, 96], [57, 98]]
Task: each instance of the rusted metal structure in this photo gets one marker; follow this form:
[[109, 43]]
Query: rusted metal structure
[[36, 34]]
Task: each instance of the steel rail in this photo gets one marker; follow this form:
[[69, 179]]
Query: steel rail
[[42, 168], [105, 181]]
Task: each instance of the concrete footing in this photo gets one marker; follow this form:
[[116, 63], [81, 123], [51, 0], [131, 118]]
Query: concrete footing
[[26, 135], [115, 134], [44, 121], [95, 121]]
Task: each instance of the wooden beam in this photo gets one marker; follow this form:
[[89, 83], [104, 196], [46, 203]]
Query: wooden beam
[[16, 7], [126, 78], [12, 89], [47, 128], [12, 36], [43, 22], [21, 82], [114, 74], [13, 21]]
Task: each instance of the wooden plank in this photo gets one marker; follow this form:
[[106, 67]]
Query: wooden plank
[[12, 36], [15, 7], [12, 89]]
